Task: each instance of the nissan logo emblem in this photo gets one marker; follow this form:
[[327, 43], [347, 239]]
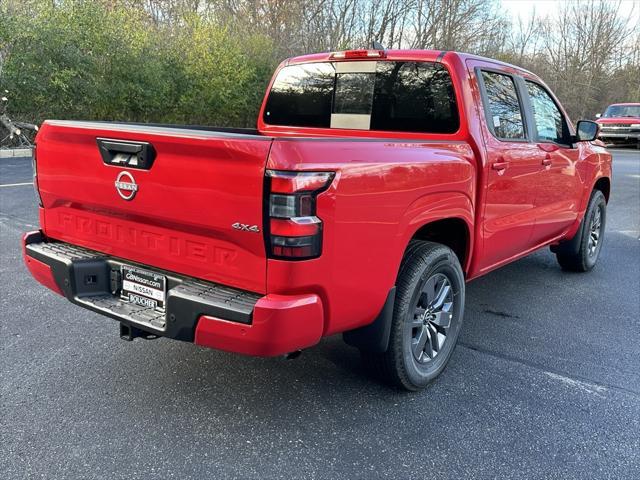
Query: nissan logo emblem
[[126, 185]]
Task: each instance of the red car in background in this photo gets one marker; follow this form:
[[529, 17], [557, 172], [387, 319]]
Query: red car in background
[[620, 124]]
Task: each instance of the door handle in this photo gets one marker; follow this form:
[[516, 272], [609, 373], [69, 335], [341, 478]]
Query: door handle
[[499, 165], [547, 160]]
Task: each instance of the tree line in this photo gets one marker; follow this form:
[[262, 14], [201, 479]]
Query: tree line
[[209, 61]]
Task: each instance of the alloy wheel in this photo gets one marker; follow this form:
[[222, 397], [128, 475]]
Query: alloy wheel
[[595, 231], [431, 318]]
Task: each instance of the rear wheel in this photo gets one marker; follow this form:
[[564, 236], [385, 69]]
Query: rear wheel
[[581, 253], [427, 317]]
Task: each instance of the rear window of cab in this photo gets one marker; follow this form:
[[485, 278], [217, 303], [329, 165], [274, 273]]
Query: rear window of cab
[[364, 95]]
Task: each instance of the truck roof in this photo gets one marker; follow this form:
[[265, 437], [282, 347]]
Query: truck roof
[[404, 54]]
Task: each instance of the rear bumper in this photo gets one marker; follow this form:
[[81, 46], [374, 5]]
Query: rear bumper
[[280, 324], [208, 314]]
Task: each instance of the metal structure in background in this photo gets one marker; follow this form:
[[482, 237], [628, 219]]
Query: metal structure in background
[[14, 134]]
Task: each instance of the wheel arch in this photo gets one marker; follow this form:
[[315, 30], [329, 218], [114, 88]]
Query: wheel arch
[[445, 218], [604, 185], [452, 232], [571, 239]]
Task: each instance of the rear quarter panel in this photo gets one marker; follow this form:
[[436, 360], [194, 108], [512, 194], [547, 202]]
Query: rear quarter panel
[[384, 191]]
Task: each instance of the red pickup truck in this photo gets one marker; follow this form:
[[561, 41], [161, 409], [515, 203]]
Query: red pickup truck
[[376, 184], [620, 124]]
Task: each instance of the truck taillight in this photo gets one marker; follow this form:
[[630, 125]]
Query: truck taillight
[[294, 230], [34, 165]]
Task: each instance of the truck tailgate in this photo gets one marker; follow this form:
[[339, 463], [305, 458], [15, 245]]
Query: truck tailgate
[[179, 215]]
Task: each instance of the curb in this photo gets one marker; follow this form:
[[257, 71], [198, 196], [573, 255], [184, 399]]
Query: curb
[[14, 152]]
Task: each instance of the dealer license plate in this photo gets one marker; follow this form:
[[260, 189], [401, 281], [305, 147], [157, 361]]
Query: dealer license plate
[[144, 288]]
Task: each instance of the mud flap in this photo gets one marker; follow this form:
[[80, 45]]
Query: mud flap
[[375, 336]]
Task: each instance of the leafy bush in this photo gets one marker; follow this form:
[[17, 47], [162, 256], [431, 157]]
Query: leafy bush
[[100, 61]]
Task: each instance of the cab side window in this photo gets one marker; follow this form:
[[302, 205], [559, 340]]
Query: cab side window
[[549, 123], [504, 111]]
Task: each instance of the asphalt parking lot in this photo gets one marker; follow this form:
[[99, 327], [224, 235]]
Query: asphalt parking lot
[[545, 382]]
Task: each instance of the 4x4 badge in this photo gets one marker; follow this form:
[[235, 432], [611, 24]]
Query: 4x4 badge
[[126, 185], [246, 228]]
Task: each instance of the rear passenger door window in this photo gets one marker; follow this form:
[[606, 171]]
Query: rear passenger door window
[[503, 109], [550, 125]]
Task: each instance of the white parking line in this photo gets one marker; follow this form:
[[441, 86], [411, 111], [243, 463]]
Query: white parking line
[[16, 184]]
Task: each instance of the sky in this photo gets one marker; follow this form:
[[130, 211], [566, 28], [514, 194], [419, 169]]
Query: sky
[[525, 8]]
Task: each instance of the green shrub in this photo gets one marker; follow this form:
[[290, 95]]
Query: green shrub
[[100, 61]]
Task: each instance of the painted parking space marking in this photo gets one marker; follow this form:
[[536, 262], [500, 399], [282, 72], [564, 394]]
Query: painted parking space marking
[[16, 184]]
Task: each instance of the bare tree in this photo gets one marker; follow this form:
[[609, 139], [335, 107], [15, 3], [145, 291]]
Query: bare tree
[[582, 46], [587, 50], [524, 37]]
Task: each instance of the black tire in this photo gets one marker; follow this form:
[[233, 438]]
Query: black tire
[[580, 254], [426, 267]]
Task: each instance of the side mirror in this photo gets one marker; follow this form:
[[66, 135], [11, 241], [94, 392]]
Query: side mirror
[[598, 115], [586, 131]]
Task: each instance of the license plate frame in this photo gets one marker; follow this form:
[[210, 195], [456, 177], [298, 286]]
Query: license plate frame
[[143, 287]]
